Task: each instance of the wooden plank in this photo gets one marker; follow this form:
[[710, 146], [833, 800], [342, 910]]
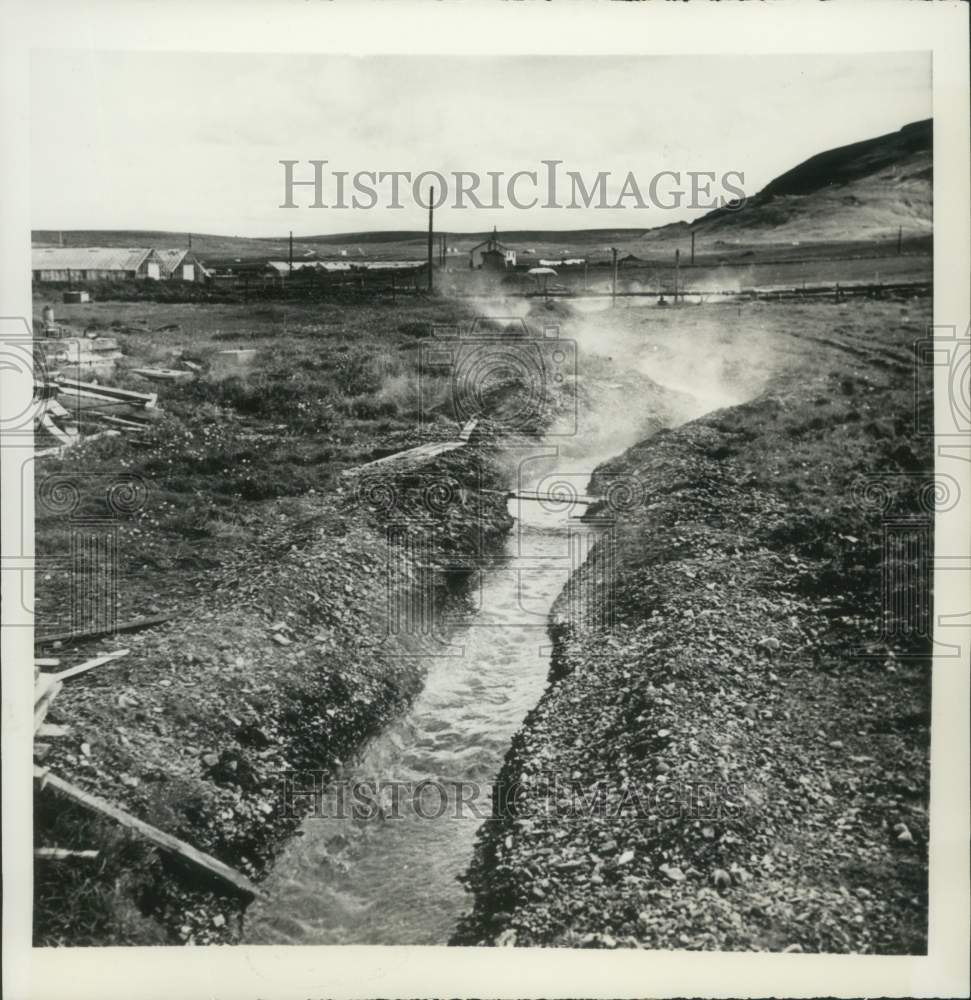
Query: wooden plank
[[43, 703], [83, 668], [63, 854], [129, 626], [46, 661], [159, 838], [117, 421], [164, 374], [148, 400], [47, 422], [48, 731]]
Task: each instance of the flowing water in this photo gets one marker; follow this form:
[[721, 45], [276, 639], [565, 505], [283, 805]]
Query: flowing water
[[392, 878]]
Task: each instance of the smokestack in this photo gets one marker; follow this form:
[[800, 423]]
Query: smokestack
[[190, 241]]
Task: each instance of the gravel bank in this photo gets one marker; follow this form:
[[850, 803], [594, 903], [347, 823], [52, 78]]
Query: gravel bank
[[740, 762]]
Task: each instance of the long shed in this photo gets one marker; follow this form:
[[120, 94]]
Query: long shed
[[94, 264]]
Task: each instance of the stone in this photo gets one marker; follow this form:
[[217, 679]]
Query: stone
[[672, 872]]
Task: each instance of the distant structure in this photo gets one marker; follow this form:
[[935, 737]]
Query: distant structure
[[181, 265], [94, 264], [492, 255]]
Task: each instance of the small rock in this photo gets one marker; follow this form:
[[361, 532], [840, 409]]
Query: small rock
[[281, 639], [904, 836], [672, 872], [792, 948], [626, 858], [721, 878], [507, 939], [218, 920]]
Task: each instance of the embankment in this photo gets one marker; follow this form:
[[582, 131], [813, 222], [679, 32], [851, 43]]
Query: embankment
[[283, 667], [739, 759]]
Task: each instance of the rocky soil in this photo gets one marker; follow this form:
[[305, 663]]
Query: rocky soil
[[738, 759], [283, 665]]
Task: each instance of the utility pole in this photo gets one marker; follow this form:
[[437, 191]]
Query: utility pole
[[431, 201], [677, 273], [900, 238], [290, 257], [584, 273], [613, 288], [190, 241], [692, 248]]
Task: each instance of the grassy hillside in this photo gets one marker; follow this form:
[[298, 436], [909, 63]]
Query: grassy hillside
[[866, 189]]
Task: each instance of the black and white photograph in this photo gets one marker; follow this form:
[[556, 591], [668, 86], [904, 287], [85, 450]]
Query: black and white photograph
[[488, 499]]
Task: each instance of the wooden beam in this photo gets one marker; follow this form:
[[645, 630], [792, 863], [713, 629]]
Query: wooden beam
[[161, 839], [47, 422], [63, 854], [129, 626], [116, 421], [42, 702], [148, 400], [48, 731], [83, 668]]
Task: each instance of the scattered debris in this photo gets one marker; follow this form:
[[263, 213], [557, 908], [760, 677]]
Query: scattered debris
[[159, 838]]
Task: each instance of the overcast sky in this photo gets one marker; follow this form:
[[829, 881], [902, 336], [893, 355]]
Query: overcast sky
[[192, 142]]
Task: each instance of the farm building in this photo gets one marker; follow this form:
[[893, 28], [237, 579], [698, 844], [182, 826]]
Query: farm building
[[181, 265], [94, 264], [492, 254]]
